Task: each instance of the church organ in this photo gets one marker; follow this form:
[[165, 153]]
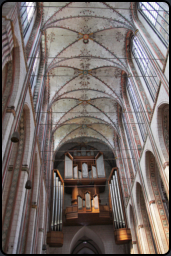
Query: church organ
[[85, 180], [86, 173]]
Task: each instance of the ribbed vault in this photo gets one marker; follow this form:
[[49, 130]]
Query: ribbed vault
[[85, 53]]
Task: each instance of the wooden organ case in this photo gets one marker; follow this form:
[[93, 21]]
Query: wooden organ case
[[55, 236], [121, 232], [85, 178]]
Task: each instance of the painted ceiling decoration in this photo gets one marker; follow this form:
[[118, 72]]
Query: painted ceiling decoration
[[86, 58]]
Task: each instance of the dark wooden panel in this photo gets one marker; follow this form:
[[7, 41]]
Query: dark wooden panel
[[83, 217], [71, 215], [98, 181], [55, 238]]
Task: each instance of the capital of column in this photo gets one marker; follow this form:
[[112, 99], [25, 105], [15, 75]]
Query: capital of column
[[165, 164], [25, 168], [152, 202], [10, 168], [136, 32], [140, 226], [11, 110], [34, 205]]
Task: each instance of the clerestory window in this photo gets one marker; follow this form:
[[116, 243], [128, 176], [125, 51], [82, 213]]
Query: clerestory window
[[157, 16], [148, 73], [34, 73], [136, 108], [27, 12]]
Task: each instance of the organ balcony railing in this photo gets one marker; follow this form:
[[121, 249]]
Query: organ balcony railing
[[121, 231], [84, 169], [55, 235]]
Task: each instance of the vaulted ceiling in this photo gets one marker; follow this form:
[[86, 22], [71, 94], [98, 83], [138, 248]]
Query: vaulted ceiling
[[85, 47]]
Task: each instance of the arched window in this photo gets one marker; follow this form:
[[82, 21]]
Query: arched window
[[129, 140], [157, 15], [27, 12], [136, 108], [34, 73], [148, 73]]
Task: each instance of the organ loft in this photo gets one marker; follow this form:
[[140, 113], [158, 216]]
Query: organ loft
[[85, 180], [85, 127]]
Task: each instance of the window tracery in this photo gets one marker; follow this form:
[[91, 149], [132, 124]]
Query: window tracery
[[27, 12], [136, 108], [129, 140], [148, 73], [156, 14], [33, 77]]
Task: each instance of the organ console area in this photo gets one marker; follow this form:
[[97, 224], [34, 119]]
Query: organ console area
[[85, 179]]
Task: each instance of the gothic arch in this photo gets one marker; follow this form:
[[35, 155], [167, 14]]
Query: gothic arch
[[163, 129], [157, 208], [133, 230], [144, 228], [89, 234]]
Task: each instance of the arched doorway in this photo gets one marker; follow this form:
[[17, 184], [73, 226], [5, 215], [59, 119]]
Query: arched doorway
[[86, 241]]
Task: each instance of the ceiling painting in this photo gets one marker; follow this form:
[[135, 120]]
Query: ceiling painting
[[85, 58]]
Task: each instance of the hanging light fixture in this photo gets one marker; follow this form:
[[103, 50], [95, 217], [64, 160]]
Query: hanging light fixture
[[28, 184], [15, 137], [44, 247]]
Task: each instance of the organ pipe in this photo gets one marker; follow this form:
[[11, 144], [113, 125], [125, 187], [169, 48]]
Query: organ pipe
[[85, 170], [120, 203], [57, 203], [61, 207], [53, 205], [117, 201], [115, 204], [59, 189], [114, 215], [56, 208]]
